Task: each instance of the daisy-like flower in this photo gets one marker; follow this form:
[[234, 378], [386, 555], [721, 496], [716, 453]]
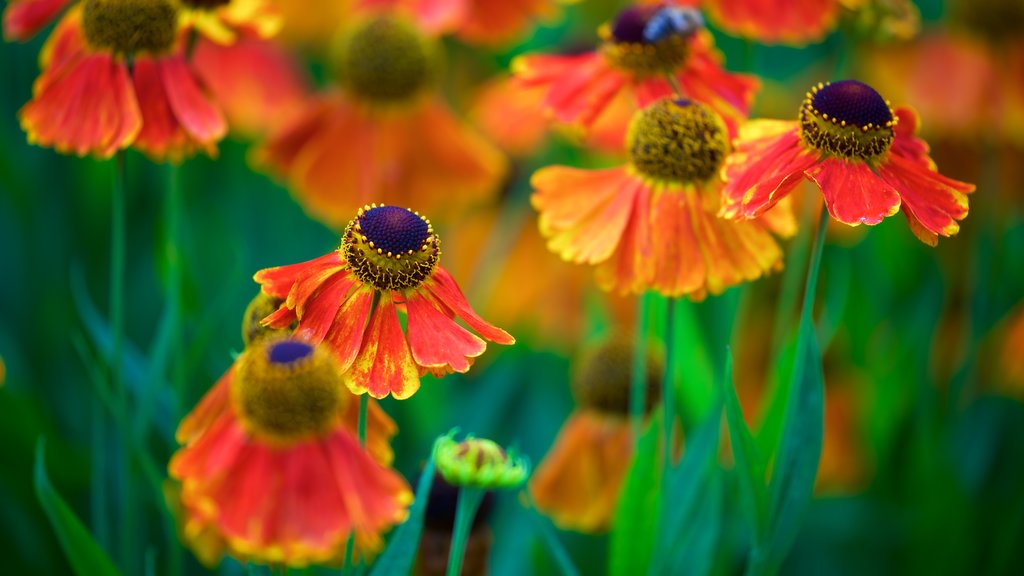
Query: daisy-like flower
[[861, 154], [271, 470], [579, 481], [652, 224], [87, 100], [475, 21], [350, 298], [353, 146], [641, 52]]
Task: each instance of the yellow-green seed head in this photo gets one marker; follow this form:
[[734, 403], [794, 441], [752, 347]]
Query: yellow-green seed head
[[677, 141], [479, 463], [286, 390], [386, 61], [131, 26]]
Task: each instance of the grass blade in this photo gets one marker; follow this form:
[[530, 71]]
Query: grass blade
[[400, 554]]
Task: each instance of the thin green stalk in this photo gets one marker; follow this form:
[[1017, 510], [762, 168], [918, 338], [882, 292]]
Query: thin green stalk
[[812, 271], [465, 511], [550, 538], [668, 399], [638, 378], [364, 404], [174, 274], [98, 500]]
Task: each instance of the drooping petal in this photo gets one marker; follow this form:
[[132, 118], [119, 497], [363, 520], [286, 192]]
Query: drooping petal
[[703, 79], [198, 115], [345, 336], [212, 406], [631, 268], [853, 193], [445, 291], [23, 18], [282, 318], [579, 87], [384, 364], [317, 313], [278, 281], [931, 200], [769, 160], [680, 266], [579, 481], [88, 106], [436, 340]]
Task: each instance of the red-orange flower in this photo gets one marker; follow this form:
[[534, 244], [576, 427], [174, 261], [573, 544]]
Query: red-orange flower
[[645, 49], [863, 157], [579, 481], [794, 22], [87, 101], [652, 224], [350, 298], [387, 137], [271, 470], [475, 21]]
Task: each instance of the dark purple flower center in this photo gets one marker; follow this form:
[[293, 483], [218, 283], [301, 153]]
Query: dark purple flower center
[[630, 23], [853, 102], [651, 24], [288, 351], [393, 229]]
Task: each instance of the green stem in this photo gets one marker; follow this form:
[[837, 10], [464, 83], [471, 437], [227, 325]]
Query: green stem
[[174, 274], [812, 272], [554, 544], [638, 378], [465, 511], [364, 404], [668, 399], [98, 482]]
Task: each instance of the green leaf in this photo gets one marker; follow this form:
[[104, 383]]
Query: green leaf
[[84, 554], [696, 554], [633, 536], [796, 465], [747, 457], [686, 489], [400, 554]]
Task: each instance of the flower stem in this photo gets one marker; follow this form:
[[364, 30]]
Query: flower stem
[[815, 265], [364, 403], [465, 511], [668, 381], [638, 378], [174, 274], [558, 551]]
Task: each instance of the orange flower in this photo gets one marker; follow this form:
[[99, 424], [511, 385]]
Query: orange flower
[[863, 157], [511, 115], [350, 299], [475, 21], [776, 21], [271, 470], [645, 49], [651, 224], [345, 149], [579, 481], [87, 101]]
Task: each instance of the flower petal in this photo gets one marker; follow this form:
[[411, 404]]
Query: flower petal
[[768, 162], [436, 340], [317, 313], [278, 281], [23, 18], [194, 110], [631, 268], [384, 364], [446, 291], [346, 334], [853, 193], [931, 200]]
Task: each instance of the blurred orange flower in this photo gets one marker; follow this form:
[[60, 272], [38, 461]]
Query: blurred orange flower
[[350, 299], [777, 21], [652, 224], [645, 51], [511, 115], [270, 468], [347, 148], [475, 21], [863, 157]]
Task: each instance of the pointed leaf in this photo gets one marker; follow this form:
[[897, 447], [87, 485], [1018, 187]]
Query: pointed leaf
[[749, 464], [83, 553], [633, 535]]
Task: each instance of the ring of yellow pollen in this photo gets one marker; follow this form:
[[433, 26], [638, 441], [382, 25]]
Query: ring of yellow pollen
[[848, 119], [390, 248], [649, 40], [677, 141], [131, 26], [603, 374], [386, 61], [287, 390]]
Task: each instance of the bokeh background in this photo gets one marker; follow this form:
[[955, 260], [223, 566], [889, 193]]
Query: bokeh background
[[923, 465]]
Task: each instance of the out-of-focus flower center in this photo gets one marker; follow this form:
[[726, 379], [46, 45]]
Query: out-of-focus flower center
[[131, 26], [677, 141], [602, 376], [204, 4], [848, 119], [259, 308], [650, 40], [286, 390], [390, 248], [386, 61]]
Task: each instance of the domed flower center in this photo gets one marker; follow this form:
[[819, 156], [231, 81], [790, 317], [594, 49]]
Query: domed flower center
[[286, 390], [650, 40], [205, 4], [677, 141], [259, 308], [848, 119], [131, 26], [390, 248], [602, 376], [386, 61]]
